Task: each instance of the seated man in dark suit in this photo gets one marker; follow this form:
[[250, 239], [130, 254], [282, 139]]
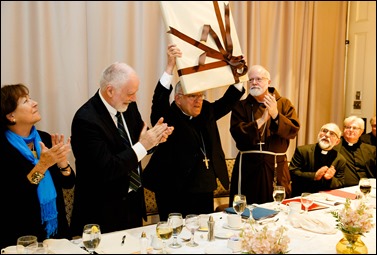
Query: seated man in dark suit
[[318, 166]]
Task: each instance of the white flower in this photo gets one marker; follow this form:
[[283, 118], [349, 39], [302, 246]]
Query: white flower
[[265, 240], [354, 218]]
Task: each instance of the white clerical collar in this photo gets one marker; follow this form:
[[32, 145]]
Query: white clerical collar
[[324, 152], [350, 144], [186, 114]]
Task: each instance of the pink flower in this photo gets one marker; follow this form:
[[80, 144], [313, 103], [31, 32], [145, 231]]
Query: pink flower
[[355, 217], [265, 240]]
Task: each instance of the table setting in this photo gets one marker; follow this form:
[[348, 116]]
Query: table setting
[[298, 232]]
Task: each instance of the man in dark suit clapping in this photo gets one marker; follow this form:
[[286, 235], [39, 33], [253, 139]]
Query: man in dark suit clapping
[[106, 160]]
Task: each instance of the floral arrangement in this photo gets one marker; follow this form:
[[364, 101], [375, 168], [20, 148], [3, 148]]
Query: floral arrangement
[[264, 240], [354, 218]]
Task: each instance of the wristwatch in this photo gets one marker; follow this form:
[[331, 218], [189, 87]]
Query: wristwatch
[[36, 177]]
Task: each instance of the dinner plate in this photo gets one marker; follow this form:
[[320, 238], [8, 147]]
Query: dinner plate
[[229, 227], [9, 250], [223, 234]]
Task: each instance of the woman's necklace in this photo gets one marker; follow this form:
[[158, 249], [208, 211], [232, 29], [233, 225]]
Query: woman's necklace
[[205, 160], [33, 150]]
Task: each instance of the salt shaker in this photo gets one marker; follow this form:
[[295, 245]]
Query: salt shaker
[[143, 243], [211, 229]]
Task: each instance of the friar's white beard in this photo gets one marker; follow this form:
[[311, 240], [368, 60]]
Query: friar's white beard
[[256, 91]]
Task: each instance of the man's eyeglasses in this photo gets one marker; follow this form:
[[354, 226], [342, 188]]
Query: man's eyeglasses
[[332, 133], [193, 97], [257, 80], [352, 128]]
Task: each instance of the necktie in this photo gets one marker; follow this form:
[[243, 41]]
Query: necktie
[[135, 177]]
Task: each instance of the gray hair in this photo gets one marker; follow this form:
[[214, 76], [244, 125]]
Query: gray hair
[[334, 127], [260, 69], [178, 88], [116, 74], [354, 119]]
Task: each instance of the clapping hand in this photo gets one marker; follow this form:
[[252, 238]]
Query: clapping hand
[[271, 105], [57, 153], [158, 134], [330, 173]]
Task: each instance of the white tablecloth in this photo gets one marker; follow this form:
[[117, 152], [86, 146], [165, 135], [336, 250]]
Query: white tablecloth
[[302, 241]]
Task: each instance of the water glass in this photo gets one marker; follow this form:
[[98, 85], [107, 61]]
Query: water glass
[[23, 242]]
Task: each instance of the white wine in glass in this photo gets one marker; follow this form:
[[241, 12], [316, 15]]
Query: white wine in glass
[[164, 231], [239, 203], [176, 222], [278, 195], [91, 237], [306, 200]]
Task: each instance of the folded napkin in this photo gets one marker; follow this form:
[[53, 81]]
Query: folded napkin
[[63, 246], [310, 223], [258, 213], [245, 214], [111, 243]]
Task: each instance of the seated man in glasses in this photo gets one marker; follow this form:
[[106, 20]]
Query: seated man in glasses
[[361, 157], [182, 172], [316, 167]]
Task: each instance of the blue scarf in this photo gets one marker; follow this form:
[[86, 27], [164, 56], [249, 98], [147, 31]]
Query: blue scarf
[[46, 189]]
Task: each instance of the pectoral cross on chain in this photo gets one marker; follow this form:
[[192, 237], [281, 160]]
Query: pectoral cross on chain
[[206, 160], [260, 145]]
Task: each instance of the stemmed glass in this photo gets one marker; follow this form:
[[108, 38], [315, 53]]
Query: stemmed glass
[[306, 200], [164, 231], [24, 242], [278, 195], [176, 222], [91, 237], [365, 187], [239, 203], [192, 224]]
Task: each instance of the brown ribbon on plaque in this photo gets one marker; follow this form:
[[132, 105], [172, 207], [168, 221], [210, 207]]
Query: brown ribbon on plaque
[[236, 63]]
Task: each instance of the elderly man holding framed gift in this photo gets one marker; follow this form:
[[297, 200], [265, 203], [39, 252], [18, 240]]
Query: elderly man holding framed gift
[[183, 172]]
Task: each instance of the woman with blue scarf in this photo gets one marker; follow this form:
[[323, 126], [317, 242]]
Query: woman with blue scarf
[[34, 171]]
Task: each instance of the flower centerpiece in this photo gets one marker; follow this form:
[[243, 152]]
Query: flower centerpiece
[[354, 220], [264, 240]]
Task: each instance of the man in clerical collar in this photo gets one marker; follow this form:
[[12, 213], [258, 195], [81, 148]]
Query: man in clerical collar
[[361, 157], [316, 167]]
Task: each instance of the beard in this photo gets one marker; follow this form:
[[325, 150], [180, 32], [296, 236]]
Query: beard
[[256, 91], [325, 144]]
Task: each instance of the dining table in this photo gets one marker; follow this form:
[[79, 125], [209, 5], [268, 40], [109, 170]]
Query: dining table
[[302, 240]]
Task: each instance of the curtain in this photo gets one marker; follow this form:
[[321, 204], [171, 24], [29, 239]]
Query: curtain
[[59, 49]]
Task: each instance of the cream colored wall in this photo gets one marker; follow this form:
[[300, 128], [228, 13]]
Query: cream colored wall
[[361, 60]]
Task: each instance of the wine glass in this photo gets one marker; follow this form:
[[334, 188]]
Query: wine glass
[[91, 237], [278, 195], [239, 203], [306, 200], [365, 187], [176, 222], [192, 224], [38, 248], [164, 231], [23, 242]]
